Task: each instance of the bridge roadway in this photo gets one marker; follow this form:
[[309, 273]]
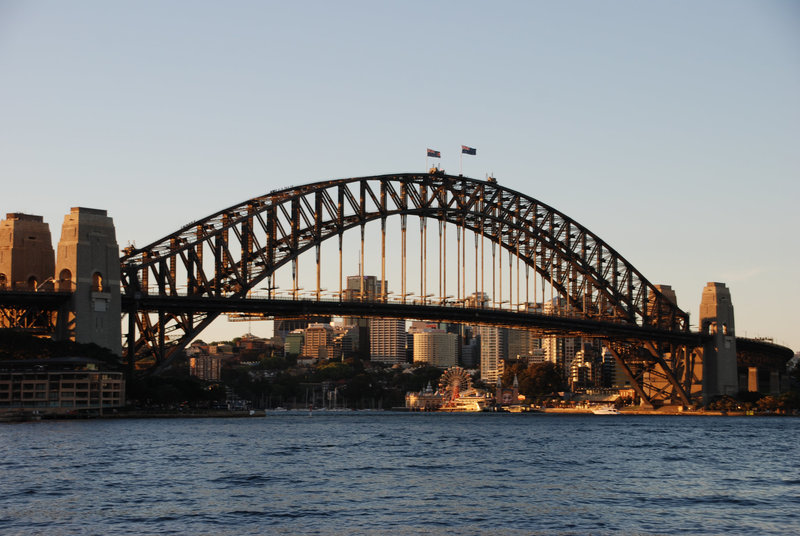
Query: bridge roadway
[[278, 307], [28, 298]]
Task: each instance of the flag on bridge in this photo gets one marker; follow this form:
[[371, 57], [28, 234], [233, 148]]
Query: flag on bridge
[[468, 150], [434, 154]]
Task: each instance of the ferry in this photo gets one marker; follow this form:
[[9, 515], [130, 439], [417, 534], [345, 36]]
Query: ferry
[[466, 403], [606, 410]]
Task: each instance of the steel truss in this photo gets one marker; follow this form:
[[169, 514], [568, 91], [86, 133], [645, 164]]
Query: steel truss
[[229, 253], [35, 312]]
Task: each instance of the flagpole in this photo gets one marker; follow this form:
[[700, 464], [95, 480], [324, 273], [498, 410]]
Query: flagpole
[[461, 163]]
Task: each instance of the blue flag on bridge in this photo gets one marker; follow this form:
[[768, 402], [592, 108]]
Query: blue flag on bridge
[[434, 154], [468, 150]]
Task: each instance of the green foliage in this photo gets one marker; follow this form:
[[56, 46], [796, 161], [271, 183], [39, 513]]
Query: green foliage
[[276, 363], [535, 380], [767, 403], [724, 403], [790, 401], [332, 370], [173, 390]]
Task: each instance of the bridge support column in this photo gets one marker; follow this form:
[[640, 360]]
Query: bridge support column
[[88, 256], [667, 371], [635, 384], [720, 376]]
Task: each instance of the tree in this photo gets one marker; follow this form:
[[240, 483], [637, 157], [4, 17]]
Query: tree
[[768, 403], [535, 380], [543, 379]]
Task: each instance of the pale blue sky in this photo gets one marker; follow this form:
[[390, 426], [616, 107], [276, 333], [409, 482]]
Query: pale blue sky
[[671, 129]]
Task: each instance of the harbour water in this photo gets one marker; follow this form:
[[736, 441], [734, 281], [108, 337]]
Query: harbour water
[[384, 473]]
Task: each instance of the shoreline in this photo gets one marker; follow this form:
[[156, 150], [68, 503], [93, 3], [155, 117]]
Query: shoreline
[[29, 416]]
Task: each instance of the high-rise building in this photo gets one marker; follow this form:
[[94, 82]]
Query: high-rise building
[[494, 349], [436, 347], [283, 326], [293, 343], [522, 343], [318, 342], [585, 369], [366, 288], [387, 340]]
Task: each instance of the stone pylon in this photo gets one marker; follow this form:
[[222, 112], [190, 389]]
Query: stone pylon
[[26, 253], [88, 257], [720, 376]]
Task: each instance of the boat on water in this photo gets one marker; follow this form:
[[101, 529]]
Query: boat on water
[[472, 402], [606, 410]]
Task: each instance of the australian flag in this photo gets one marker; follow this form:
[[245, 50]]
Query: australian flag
[[434, 154], [468, 150]]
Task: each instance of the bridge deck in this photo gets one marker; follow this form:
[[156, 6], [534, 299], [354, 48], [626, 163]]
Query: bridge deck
[[545, 323]]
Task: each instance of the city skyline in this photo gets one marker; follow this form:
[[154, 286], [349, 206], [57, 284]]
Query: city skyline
[[680, 153]]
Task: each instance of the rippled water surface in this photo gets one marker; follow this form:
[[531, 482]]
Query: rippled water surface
[[377, 473]]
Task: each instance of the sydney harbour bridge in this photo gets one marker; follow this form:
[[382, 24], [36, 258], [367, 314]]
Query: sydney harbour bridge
[[465, 250]]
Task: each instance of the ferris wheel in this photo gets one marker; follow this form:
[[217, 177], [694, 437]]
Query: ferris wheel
[[454, 381]]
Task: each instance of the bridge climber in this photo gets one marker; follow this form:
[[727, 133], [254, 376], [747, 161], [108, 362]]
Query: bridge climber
[[499, 256]]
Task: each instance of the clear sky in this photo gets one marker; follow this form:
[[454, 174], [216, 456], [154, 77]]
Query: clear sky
[[670, 129]]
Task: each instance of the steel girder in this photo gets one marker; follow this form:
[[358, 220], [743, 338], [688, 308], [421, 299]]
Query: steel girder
[[32, 311], [227, 254]]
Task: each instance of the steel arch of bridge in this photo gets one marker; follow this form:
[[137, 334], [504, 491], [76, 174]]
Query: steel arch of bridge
[[247, 243]]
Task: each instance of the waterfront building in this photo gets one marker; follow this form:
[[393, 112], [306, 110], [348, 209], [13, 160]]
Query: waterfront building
[[455, 393], [59, 385], [425, 400], [507, 396]]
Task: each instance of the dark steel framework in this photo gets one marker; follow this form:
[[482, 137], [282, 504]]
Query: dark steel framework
[[32, 311], [215, 262]]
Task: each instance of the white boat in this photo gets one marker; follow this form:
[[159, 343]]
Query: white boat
[[606, 410]]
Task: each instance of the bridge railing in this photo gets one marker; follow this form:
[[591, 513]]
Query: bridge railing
[[411, 299]]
